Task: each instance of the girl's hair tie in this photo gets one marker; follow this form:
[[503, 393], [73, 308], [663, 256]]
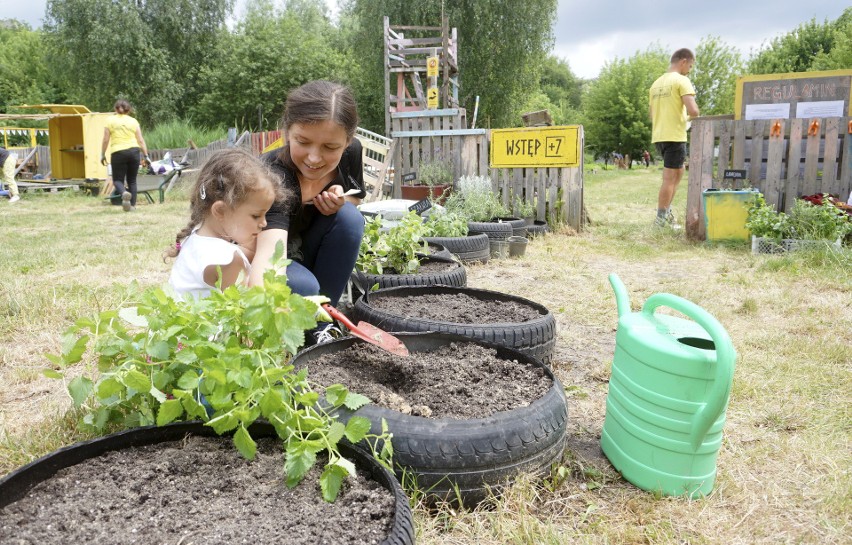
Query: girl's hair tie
[[177, 246]]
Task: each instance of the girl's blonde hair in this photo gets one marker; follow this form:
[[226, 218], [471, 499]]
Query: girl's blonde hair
[[230, 176]]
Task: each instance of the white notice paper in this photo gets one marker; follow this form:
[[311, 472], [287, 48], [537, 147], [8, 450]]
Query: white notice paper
[[768, 111], [825, 108]]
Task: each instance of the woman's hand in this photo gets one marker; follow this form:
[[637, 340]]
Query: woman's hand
[[330, 201]]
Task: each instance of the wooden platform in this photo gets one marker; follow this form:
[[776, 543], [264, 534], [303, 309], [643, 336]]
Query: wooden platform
[[51, 187]]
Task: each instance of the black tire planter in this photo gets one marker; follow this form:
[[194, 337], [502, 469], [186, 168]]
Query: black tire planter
[[16, 484], [454, 276], [436, 249], [494, 230], [536, 338], [465, 459], [519, 225], [537, 228], [469, 249]]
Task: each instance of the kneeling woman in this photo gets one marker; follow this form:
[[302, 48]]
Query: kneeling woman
[[321, 164]]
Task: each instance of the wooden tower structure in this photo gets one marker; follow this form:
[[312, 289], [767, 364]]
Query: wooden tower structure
[[406, 49]]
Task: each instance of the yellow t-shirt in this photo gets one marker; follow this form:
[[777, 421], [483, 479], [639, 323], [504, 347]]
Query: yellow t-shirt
[[122, 132], [669, 113]]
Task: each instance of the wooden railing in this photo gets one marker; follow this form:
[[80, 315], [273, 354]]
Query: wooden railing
[[783, 158]]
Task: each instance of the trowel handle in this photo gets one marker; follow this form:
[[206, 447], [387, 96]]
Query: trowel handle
[[717, 398]]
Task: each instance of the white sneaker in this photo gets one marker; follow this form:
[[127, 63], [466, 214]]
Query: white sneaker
[[125, 201], [15, 198]]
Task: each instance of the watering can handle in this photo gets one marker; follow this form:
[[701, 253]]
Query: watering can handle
[[725, 359]]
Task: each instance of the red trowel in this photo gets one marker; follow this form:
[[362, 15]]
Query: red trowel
[[369, 332]]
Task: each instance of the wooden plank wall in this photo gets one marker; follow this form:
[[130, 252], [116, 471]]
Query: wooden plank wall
[[422, 136], [783, 158]]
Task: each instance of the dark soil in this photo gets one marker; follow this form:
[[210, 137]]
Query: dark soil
[[456, 308], [199, 490], [430, 267], [459, 381]]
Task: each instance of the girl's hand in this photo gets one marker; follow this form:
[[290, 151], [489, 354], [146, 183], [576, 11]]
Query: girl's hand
[[330, 201]]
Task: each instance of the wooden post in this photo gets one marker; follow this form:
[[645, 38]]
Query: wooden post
[[794, 160], [386, 61], [772, 187]]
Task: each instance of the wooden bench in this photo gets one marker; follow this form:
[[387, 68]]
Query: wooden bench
[[377, 155]]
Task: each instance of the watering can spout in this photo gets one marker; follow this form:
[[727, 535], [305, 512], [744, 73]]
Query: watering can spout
[[622, 299]]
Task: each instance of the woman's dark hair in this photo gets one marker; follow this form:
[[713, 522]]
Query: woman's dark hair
[[318, 101], [315, 102], [122, 106], [230, 176]]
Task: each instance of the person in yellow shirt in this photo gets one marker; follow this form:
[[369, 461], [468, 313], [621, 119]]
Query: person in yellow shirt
[[672, 101], [123, 138]]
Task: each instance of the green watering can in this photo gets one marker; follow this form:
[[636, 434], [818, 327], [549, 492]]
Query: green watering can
[[671, 380]]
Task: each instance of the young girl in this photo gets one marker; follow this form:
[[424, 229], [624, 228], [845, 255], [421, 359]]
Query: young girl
[[228, 206]]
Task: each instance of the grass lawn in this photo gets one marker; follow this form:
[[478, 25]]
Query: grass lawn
[[784, 466]]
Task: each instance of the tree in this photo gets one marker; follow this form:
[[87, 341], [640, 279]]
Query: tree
[[148, 51], [103, 50], [501, 48], [269, 53], [616, 104], [714, 76], [24, 76], [840, 55], [794, 51]]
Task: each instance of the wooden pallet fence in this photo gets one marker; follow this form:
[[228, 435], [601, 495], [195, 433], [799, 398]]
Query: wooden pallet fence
[[424, 136], [783, 159]]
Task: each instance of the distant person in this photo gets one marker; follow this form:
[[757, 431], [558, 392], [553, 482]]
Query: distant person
[[672, 101], [646, 157], [7, 165], [227, 210], [123, 138]]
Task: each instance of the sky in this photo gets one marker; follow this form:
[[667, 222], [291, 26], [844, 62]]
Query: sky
[[589, 33]]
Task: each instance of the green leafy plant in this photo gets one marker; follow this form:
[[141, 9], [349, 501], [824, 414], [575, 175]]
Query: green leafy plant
[[806, 221], [522, 208], [221, 359], [435, 172], [398, 249], [445, 224], [475, 200]]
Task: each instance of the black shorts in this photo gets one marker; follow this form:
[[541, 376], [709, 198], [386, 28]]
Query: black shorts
[[673, 153]]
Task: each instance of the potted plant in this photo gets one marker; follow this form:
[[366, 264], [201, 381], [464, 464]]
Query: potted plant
[[807, 225], [450, 231], [400, 256], [434, 181], [220, 359], [524, 209]]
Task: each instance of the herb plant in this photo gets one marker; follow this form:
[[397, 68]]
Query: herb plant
[[445, 224], [806, 221], [475, 200], [435, 172], [166, 358], [398, 249], [522, 208]]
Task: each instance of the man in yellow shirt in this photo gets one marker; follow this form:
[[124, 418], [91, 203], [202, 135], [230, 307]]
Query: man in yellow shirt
[[672, 100]]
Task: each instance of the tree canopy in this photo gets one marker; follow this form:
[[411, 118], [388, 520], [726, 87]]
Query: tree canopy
[[194, 60]]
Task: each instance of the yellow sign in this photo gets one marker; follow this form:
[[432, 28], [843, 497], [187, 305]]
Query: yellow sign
[[431, 66], [536, 147], [432, 97]]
